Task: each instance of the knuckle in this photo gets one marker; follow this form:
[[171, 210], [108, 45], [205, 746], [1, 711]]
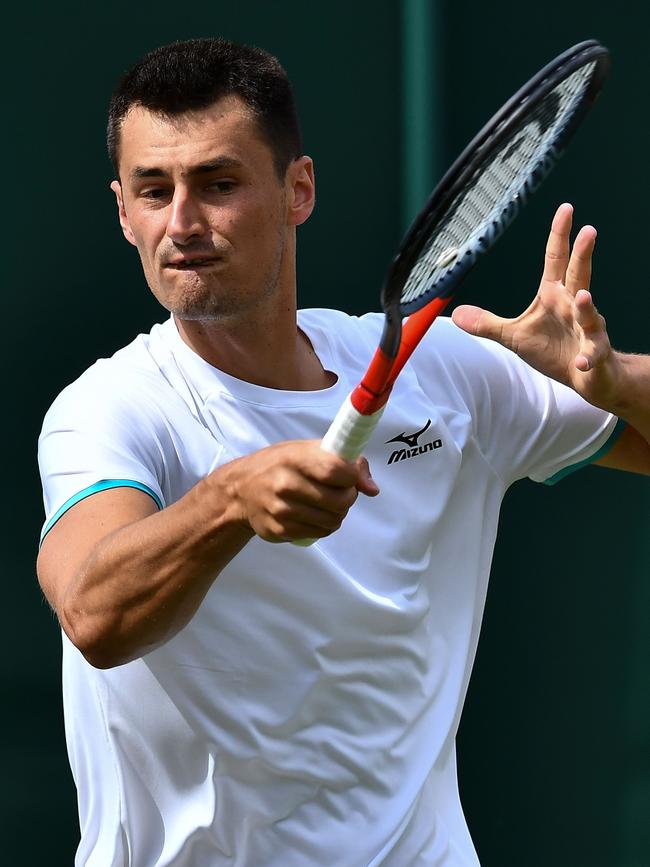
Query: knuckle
[[280, 509], [278, 531], [284, 482], [270, 532]]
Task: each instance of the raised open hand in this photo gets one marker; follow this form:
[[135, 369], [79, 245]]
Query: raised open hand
[[561, 334]]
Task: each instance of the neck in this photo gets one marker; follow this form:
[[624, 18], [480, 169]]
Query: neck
[[270, 351]]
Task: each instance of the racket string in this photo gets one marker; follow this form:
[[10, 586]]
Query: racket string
[[496, 185]]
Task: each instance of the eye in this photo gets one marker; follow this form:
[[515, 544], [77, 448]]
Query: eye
[[153, 193], [223, 187]]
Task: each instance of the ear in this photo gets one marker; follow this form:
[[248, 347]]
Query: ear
[[301, 190], [124, 220]]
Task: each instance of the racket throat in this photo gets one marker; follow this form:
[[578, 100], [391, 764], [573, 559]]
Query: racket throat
[[366, 401], [374, 389]]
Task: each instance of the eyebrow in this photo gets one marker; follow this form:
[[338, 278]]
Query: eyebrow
[[201, 169]]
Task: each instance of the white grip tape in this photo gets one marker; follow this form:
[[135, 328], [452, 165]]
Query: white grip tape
[[350, 431], [347, 437]]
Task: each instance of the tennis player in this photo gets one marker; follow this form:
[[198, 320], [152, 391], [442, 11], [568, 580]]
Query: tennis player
[[234, 702]]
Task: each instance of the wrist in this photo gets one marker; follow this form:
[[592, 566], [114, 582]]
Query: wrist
[[632, 388], [225, 492], [623, 395]]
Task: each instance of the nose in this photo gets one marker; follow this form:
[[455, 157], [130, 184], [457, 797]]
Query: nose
[[186, 219]]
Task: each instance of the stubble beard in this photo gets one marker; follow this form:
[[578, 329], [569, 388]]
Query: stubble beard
[[197, 300]]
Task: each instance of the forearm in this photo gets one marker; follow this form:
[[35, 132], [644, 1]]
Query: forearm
[[123, 580], [142, 583]]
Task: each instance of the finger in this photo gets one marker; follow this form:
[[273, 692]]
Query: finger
[[325, 497], [292, 486], [328, 469], [556, 258], [289, 521], [593, 352], [587, 315], [366, 484], [578, 275], [481, 323], [594, 340], [276, 531]]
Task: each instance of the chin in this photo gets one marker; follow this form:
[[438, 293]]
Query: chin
[[193, 301], [200, 299], [206, 307]]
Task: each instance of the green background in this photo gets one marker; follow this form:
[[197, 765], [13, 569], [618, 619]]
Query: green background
[[554, 747]]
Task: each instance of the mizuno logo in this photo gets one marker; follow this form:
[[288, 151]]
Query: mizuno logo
[[411, 441]]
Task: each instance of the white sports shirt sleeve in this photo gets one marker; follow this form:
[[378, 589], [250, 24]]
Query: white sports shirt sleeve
[[99, 437], [526, 424]]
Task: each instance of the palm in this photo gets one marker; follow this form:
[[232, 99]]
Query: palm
[[561, 334], [545, 335]]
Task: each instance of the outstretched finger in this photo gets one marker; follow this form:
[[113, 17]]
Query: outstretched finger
[[482, 323], [578, 275], [556, 259]]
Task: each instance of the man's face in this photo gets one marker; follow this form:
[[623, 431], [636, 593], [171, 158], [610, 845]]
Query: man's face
[[200, 198]]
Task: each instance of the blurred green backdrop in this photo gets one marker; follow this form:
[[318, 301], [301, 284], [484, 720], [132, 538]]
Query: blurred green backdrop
[[555, 741]]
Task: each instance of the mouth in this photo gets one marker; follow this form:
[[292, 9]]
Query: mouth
[[197, 264]]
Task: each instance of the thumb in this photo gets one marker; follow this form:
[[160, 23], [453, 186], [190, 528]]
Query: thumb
[[366, 484], [479, 322]]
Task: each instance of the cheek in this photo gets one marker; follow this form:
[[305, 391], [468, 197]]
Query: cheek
[[265, 229], [259, 218], [148, 240]]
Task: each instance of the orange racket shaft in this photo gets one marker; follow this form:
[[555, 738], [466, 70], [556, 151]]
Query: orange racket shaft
[[415, 327], [374, 389]]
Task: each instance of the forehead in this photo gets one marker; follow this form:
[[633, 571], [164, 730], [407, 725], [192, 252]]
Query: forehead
[[225, 128]]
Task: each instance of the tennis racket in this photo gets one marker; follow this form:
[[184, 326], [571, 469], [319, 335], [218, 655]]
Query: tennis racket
[[467, 212]]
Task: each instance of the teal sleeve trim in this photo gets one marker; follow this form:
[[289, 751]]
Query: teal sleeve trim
[[615, 434], [104, 485]]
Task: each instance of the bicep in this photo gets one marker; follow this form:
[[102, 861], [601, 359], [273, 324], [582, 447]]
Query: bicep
[[630, 452], [72, 539]]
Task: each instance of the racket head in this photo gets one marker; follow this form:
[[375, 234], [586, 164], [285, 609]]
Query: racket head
[[485, 188]]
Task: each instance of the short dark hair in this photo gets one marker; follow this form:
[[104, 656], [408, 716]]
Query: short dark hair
[[193, 74]]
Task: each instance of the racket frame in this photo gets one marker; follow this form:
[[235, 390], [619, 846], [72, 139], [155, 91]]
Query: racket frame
[[397, 343]]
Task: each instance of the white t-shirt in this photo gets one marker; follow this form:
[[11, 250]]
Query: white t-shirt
[[306, 716]]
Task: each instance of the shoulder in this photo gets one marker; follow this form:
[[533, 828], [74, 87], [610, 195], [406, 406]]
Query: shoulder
[[342, 328], [444, 337], [450, 340], [126, 385], [473, 363], [323, 317]]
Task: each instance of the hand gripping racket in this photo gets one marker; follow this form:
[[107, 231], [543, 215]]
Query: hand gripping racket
[[467, 212]]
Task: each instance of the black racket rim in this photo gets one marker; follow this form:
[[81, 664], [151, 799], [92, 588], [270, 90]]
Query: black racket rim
[[487, 140]]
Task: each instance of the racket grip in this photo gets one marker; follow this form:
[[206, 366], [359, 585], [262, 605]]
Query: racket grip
[[350, 431], [347, 437]]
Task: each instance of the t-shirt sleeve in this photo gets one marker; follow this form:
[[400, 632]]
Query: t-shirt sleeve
[[524, 423], [100, 432]]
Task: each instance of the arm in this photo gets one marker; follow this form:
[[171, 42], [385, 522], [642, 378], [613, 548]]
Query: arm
[[124, 578], [563, 336]]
